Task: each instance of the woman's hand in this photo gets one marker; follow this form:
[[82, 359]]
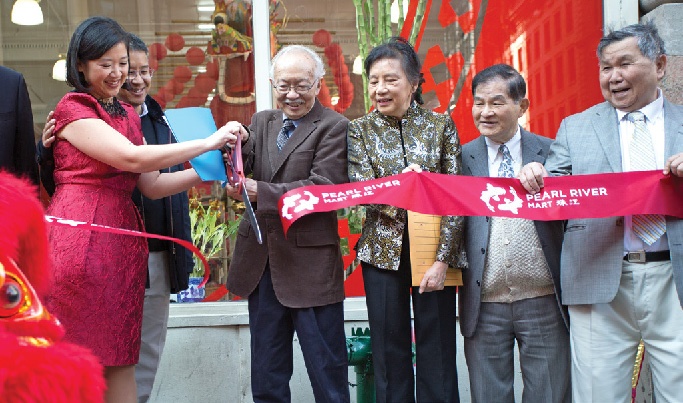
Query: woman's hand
[[49, 130], [434, 278], [412, 168], [226, 135]]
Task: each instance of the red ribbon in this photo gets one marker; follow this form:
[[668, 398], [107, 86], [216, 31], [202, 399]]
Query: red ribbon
[[112, 230], [564, 197]]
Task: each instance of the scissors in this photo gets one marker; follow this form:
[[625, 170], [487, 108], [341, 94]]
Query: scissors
[[235, 172]]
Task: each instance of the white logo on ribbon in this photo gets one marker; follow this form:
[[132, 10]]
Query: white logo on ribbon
[[298, 203], [496, 194]]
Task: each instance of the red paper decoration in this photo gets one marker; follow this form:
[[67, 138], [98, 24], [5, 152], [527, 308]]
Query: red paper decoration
[[204, 83], [324, 95], [153, 64], [174, 86], [157, 51], [195, 56], [183, 102], [174, 42], [165, 95], [322, 38], [340, 72], [182, 74], [212, 69]]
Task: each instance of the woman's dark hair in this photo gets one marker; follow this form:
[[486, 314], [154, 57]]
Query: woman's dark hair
[[91, 39], [399, 49]]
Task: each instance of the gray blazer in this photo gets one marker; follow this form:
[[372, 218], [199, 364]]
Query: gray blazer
[[475, 163], [592, 258], [306, 266]]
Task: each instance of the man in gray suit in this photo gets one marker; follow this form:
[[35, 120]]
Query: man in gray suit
[[294, 283], [622, 284], [511, 287]]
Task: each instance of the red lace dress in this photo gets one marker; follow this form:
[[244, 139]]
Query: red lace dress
[[99, 278]]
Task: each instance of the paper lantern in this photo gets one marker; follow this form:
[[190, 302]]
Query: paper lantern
[[212, 69], [165, 95], [157, 51], [160, 101], [153, 64], [183, 102], [195, 56], [324, 95], [204, 83], [176, 86], [322, 38], [174, 42], [182, 74], [196, 97]]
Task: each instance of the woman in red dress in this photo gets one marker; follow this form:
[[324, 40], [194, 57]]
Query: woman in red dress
[[100, 157]]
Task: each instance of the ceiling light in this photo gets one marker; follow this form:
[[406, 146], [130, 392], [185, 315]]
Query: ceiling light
[[205, 8], [205, 27], [357, 65], [27, 12], [59, 69]]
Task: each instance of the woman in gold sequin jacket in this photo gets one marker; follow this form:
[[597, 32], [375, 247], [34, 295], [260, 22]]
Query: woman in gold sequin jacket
[[400, 136]]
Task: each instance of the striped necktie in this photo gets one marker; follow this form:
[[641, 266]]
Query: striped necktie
[[648, 227], [283, 135], [505, 170]]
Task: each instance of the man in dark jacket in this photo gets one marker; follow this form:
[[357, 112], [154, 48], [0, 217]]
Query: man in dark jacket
[[169, 264], [17, 143]]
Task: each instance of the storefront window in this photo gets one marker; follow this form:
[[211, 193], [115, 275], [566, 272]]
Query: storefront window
[[202, 52]]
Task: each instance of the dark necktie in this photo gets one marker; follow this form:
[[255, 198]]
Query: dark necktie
[[283, 136], [505, 169], [648, 227]]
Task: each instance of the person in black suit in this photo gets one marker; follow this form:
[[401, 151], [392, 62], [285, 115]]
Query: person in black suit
[[17, 143]]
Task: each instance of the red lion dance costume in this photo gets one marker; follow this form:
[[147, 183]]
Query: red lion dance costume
[[35, 366]]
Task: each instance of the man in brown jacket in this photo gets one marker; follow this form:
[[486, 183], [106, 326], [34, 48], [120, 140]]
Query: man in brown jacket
[[293, 283]]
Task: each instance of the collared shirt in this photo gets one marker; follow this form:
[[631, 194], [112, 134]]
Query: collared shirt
[[296, 124], [654, 120], [514, 145], [144, 109]]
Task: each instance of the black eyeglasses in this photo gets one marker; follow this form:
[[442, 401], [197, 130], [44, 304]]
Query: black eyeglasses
[[300, 89], [144, 73]]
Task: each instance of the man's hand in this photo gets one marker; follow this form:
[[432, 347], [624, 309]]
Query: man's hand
[[674, 165], [48, 131], [531, 176], [412, 168], [434, 277], [249, 184]]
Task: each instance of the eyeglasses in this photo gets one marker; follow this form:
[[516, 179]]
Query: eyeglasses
[[300, 89], [144, 73]]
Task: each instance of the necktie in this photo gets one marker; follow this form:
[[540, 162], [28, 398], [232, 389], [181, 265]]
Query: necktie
[[283, 135], [648, 227], [505, 169]]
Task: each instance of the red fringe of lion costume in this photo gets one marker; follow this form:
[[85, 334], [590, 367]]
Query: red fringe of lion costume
[[35, 366]]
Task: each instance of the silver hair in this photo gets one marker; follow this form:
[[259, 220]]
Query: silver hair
[[650, 43], [319, 66]]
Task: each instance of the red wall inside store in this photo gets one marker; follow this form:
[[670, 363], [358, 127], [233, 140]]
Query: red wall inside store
[[551, 42]]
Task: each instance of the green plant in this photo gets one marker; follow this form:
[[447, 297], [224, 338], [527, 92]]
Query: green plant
[[209, 232], [374, 26]]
